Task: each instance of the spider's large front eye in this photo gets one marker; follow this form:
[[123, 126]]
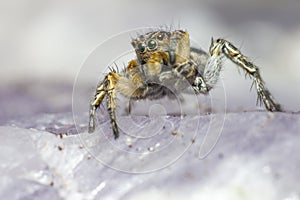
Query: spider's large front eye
[[141, 47], [152, 44]]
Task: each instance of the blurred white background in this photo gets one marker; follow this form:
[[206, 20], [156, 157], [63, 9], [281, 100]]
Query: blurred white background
[[43, 44]]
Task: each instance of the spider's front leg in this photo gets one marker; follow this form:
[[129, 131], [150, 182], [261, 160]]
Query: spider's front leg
[[221, 46], [107, 88], [129, 84], [100, 94]]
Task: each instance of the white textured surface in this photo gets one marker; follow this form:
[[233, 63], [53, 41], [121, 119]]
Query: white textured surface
[[256, 158]]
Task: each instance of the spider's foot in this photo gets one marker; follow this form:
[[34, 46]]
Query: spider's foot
[[92, 119], [91, 128], [269, 101], [115, 130], [272, 105]]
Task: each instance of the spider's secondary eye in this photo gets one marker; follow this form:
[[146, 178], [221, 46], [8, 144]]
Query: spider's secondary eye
[[141, 47], [160, 36], [152, 44]]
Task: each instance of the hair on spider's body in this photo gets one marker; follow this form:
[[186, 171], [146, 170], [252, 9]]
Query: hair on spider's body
[[165, 58]]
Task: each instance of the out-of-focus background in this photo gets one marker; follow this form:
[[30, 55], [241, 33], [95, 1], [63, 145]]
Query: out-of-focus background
[[43, 45]]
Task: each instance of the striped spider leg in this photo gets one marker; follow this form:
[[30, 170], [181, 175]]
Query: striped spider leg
[[221, 47], [106, 88]]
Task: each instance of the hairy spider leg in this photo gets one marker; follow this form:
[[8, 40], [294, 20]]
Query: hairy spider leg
[[107, 88], [100, 94], [111, 100], [213, 68]]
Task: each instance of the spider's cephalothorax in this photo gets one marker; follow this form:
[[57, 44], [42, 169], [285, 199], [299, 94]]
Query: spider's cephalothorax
[[167, 57]]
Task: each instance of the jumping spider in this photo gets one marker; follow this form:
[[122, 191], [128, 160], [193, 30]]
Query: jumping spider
[[167, 56]]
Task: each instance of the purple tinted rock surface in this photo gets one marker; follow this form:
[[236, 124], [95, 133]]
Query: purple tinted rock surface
[[256, 157]]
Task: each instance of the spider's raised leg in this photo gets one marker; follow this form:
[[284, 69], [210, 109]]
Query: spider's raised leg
[[106, 88], [221, 46]]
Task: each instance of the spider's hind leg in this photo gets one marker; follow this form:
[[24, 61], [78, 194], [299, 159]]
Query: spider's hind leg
[[211, 73]]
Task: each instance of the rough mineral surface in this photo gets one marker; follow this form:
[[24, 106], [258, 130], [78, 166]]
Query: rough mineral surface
[[254, 156]]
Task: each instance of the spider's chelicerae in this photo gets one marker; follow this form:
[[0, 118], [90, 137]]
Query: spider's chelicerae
[[163, 56]]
